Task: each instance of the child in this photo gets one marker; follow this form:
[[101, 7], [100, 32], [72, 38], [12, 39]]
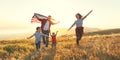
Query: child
[[53, 35], [38, 35], [79, 27]]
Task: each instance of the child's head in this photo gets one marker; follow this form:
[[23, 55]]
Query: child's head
[[53, 33], [38, 28], [78, 16]]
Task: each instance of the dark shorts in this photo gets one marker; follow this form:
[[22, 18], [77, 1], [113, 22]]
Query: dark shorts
[[79, 30]]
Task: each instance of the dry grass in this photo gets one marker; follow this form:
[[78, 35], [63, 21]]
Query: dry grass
[[97, 47]]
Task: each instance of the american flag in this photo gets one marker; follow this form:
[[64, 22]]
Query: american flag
[[37, 17], [35, 20]]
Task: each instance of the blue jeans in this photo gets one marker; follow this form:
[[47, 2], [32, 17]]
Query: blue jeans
[[46, 39], [38, 45]]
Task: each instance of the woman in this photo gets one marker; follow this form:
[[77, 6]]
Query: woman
[[79, 27]]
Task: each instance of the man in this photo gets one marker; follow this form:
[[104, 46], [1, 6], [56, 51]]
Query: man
[[46, 24]]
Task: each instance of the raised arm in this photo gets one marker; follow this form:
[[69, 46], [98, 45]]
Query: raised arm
[[72, 25], [86, 15], [56, 32]]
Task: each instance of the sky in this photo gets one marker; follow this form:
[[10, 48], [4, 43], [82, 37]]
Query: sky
[[16, 14]]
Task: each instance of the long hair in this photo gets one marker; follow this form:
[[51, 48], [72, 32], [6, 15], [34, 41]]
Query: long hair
[[80, 16]]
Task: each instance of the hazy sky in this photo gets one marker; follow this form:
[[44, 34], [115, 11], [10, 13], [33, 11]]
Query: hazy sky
[[17, 13]]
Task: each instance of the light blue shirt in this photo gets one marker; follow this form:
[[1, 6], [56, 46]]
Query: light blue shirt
[[79, 23], [38, 36]]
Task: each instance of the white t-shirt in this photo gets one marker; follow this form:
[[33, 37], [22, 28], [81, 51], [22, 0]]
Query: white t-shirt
[[46, 26]]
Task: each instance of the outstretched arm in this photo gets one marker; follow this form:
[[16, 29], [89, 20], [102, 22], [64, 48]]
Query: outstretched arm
[[54, 22], [72, 25], [30, 36], [86, 15]]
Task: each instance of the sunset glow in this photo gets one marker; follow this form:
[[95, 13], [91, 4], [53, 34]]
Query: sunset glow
[[17, 14]]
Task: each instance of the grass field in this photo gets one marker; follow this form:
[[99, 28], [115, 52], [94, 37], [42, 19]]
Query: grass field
[[92, 47]]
